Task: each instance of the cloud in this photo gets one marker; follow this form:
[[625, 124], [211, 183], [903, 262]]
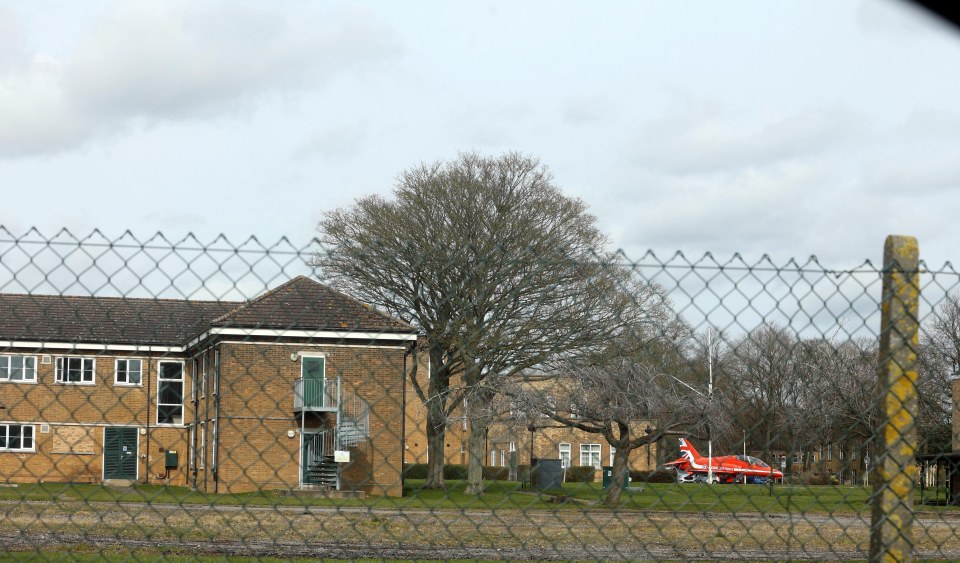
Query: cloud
[[147, 62], [722, 212], [705, 140], [582, 110], [333, 143]]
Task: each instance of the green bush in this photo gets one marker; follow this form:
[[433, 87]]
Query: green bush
[[654, 476], [415, 470], [455, 471], [815, 479], [496, 473], [580, 474]]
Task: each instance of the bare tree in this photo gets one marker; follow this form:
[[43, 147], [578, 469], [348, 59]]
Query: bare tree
[[630, 403], [498, 269], [764, 386], [939, 360], [629, 393]]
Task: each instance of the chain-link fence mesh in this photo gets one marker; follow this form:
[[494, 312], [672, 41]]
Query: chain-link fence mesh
[[184, 398]]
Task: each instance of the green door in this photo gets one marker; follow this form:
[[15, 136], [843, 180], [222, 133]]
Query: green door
[[119, 453], [312, 374]]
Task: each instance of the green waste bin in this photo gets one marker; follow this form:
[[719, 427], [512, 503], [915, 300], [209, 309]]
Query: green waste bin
[[608, 478]]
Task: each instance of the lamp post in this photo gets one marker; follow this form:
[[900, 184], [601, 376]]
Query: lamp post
[[709, 397], [710, 402]]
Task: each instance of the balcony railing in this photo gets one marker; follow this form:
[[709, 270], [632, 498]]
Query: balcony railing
[[315, 395]]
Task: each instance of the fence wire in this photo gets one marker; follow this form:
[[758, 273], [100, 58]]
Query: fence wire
[[181, 399]]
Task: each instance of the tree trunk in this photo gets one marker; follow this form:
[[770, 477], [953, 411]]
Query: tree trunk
[[436, 436], [475, 443], [479, 422], [437, 397], [620, 470]]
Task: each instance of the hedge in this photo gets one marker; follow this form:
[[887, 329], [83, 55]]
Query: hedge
[[459, 472], [655, 476], [581, 474]]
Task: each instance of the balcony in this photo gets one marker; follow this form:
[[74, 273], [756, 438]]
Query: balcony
[[315, 395]]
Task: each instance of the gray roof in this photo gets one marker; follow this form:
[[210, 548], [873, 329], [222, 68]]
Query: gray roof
[[300, 303]]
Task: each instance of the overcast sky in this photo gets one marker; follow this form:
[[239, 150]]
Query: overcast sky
[[788, 128]]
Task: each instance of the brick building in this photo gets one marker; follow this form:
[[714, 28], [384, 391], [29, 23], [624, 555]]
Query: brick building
[[510, 433], [302, 387]]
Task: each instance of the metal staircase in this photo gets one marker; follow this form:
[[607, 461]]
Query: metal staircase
[[352, 428]]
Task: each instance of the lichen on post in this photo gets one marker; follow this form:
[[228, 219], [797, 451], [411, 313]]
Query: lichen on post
[[891, 538]]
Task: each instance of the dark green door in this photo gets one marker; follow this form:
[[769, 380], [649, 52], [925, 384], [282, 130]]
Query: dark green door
[[312, 373], [119, 453]]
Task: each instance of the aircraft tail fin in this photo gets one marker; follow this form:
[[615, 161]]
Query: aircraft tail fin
[[688, 451]]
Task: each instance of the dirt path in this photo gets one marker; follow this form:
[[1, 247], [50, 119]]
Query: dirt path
[[346, 533]]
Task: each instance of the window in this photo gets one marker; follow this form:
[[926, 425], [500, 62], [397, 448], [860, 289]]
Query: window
[[503, 458], [194, 380], [16, 437], [203, 445], [170, 393], [18, 368], [564, 455], [128, 371], [853, 453], [841, 453], [203, 375], [75, 370], [590, 455], [493, 458], [613, 452]]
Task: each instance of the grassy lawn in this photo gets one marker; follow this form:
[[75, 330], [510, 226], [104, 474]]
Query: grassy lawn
[[500, 495]]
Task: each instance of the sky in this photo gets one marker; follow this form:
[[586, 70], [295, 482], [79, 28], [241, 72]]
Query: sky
[[790, 128]]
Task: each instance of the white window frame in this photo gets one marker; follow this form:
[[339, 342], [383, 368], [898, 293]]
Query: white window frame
[[590, 452], [503, 458], [203, 375], [493, 458], [565, 448], [5, 438], [116, 372], [58, 370], [6, 373], [613, 452], [193, 379], [183, 409], [202, 461]]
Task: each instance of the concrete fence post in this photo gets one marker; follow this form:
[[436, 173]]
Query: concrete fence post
[[896, 437]]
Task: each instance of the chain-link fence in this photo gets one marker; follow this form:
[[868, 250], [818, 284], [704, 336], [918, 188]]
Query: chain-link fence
[[183, 398]]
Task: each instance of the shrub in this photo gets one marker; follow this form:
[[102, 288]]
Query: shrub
[[815, 479], [455, 471], [655, 476], [496, 473], [415, 470], [581, 474]]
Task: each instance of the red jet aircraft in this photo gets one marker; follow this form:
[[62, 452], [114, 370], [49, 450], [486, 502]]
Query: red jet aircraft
[[726, 468]]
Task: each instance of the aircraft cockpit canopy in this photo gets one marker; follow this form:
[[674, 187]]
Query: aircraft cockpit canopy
[[752, 460]]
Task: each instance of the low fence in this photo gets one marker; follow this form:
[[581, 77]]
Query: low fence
[[153, 405]]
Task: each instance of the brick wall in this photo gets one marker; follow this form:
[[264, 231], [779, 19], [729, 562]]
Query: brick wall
[[256, 410], [74, 416]]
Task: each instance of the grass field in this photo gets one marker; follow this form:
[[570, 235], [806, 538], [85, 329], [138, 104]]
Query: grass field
[[661, 522], [500, 495]]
